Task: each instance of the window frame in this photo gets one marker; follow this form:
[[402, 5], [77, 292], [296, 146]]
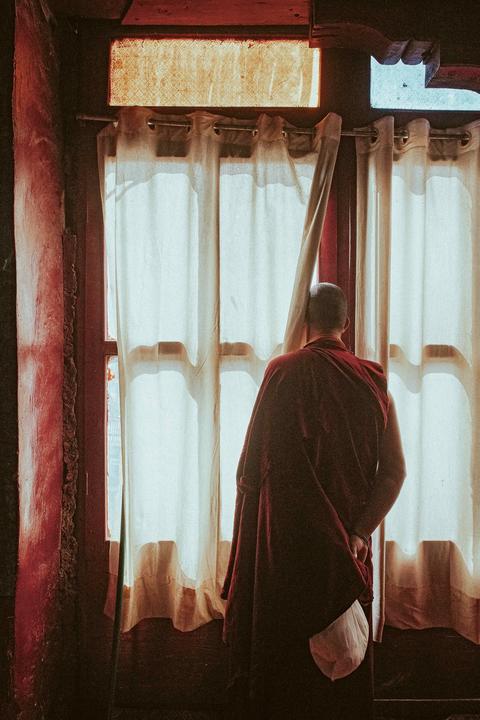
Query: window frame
[[339, 235], [345, 89]]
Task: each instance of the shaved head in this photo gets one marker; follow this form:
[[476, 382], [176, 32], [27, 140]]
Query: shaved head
[[327, 307]]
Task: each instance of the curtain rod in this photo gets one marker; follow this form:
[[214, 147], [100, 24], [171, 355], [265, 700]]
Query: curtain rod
[[400, 133]]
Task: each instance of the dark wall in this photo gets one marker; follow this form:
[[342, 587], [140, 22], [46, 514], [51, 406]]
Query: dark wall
[[41, 481], [155, 659], [8, 363], [39, 228]]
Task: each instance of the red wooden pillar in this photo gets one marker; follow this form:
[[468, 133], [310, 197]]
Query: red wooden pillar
[[337, 257]]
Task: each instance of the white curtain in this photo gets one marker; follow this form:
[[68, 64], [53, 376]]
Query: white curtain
[[374, 182], [431, 287], [295, 331], [203, 231]]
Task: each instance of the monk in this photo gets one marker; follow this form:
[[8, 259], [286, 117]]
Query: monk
[[321, 466]]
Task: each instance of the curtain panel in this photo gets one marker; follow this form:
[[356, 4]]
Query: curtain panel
[[204, 234], [418, 310], [374, 172]]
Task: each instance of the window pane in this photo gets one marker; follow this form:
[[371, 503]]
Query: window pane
[[259, 244], [239, 382], [261, 210], [109, 234], [431, 244], [436, 494], [403, 86], [214, 73], [114, 457]]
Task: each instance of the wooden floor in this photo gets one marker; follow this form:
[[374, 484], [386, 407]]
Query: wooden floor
[[128, 714], [419, 675], [136, 714]]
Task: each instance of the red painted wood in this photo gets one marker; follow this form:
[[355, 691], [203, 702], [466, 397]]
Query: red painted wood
[[111, 9], [92, 508], [94, 338], [211, 12], [327, 261], [445, 40], [466, 77], [8, 365], [39, 224], [372, 29], [337, 250], [155, 659], [346, 229]]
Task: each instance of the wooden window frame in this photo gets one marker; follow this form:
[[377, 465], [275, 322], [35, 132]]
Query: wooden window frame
[[344, 82]]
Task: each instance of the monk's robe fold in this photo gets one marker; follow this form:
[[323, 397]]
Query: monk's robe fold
[[307, 468]]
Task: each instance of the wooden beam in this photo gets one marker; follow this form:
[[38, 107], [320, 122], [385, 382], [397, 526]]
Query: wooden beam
[[105, 9], [446, 40], [211, 12]]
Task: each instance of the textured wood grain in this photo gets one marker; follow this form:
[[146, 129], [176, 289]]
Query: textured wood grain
[[212, 12], [108, 9], [446, 40], [39, 223], [8, 365], [433, 663]]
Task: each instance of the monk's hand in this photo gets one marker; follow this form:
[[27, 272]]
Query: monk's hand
[[359, 547]]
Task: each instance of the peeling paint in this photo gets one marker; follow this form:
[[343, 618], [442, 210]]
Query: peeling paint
[[39, 224], [8, 369]]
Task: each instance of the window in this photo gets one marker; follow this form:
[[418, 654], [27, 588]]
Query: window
[[202, 232], [262, 200], [240, 366], [114, 457], [214, 73], [403, 87], [431, 345], [420, 250]]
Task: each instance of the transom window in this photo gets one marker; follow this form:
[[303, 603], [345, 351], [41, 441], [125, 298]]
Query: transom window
[[184, 72], [402, 87]]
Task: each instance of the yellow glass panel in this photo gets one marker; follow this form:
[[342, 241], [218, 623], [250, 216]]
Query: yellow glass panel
[[214, 73]]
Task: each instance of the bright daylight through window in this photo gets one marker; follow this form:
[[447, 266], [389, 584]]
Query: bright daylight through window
[[203, 232], [402, 86], [215, 73], [261, 210]]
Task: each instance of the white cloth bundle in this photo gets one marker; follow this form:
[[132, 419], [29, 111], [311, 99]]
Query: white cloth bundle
[[340, 648]]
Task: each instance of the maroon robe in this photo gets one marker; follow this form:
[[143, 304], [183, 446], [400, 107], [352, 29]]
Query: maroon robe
[[307, 468]]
